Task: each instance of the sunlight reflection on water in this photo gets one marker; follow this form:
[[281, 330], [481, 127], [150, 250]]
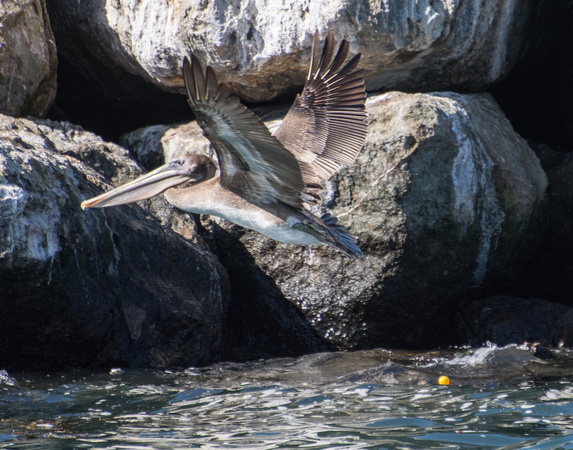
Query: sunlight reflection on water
[[310, 402]]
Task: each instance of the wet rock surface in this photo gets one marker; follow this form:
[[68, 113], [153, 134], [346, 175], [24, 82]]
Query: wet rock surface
[[94, 288]]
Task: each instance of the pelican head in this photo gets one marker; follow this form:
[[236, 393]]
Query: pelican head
[[190, 169]]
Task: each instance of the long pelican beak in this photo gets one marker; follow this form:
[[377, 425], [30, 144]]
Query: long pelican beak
[[146, 186]]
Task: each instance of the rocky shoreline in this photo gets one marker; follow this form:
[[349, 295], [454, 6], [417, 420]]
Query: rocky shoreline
[[465, 225]]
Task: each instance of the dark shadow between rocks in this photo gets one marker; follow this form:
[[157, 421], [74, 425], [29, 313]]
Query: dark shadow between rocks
[[93, 90], [110, 109], [536, 95], [261, 321]]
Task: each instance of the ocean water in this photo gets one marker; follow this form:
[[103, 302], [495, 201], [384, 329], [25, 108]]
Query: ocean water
[[511, 397]]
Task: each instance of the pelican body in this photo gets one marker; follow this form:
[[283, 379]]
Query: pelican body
[[267, 183], [277, 221]]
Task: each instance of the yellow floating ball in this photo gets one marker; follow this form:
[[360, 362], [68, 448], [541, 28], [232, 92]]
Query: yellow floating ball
[[444, 380]]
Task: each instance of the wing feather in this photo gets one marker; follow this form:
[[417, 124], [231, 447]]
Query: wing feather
[[327, 124], [252, 161]]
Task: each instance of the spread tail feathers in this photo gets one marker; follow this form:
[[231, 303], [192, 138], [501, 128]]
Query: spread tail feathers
[[329, 231], [344, 241]]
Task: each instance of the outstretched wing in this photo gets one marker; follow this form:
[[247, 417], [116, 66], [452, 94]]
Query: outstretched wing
[[327, 124], [252, 161]]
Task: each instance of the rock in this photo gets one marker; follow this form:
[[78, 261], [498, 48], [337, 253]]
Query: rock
[[145, 145], [262, 48], [98, 287], [28, 56], [154, 145], [444, 199], [504, 320]]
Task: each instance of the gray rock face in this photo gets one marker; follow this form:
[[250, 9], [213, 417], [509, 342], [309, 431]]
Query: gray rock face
[[87, 288], [262, 48], [27, 58], [153, 146], [444, 198]]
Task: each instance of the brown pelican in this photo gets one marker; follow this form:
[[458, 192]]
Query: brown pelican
[[267, 182]]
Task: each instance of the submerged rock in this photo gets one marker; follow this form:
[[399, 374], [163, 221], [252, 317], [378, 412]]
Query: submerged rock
[[28, 56], [444, 198], [95, 288]]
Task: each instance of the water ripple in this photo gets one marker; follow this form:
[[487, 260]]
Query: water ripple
[[314, 402]]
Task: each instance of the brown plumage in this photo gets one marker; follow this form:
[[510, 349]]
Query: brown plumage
[[267, 182], [326, 126]]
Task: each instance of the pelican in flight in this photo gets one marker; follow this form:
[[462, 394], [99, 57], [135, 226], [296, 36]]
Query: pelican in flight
[[267, 182]]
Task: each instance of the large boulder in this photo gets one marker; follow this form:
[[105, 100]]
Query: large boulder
[[262, 48], [28, 58], [98, 287], [445, 199]]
